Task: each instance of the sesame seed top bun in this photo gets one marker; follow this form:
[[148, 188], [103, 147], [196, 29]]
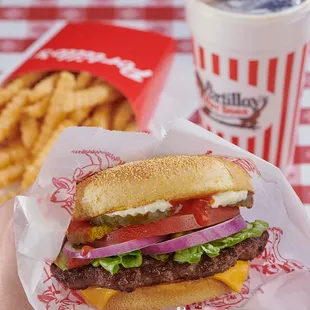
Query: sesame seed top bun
[[169, 178]]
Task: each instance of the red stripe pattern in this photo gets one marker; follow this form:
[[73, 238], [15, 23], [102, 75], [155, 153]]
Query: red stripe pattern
[[220, 134], [14, 46], [233, 69], [216, 64], [307, 80], [302, 155], [251, 144], [304, 192], [286, 93], [271, 82], [235, 140], [305, 116], [253, 72], [267, 142], [272, 71], [297, 100], [95, 12], [202, 58], [194, 52]]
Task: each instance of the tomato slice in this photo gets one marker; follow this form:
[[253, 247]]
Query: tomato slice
[[77, 263], [195, 214], [78, 225], [65, 262], [199, 208]]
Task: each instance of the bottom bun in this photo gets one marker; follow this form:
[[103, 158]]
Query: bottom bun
[[168, 295]]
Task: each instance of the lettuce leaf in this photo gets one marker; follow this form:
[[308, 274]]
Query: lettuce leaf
[[213, 248], [254, 229], [110, 264], [161, 257], [113, 263], [132, 259], [191, 255]]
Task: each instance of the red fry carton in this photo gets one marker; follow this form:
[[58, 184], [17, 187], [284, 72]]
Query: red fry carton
[[135, 62]]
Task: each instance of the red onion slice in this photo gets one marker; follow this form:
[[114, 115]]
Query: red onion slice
[[202, 236], [111, 250]]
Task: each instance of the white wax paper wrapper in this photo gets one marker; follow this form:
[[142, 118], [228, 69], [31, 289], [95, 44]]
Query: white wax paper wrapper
[[278, 279]]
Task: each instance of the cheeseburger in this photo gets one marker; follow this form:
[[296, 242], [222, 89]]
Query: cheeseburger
[[159, 233]]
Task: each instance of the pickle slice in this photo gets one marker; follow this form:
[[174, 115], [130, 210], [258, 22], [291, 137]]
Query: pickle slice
[[247, 203], [119, 221]]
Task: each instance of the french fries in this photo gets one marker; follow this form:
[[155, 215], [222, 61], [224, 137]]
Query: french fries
[[11, 173], [33, 169], [11, 154], [37, 107], [29, 131], [83, 80], [102, 116], [80, 115], [131, 126], [55, 113], [90, 97], [43, 88], [122, 116], [27, 80], [10, 115]]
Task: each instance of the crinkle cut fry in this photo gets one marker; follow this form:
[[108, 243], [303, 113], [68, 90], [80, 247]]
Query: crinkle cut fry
[[80, 115], [83, 80], [88, 122], [10, 115], [102, 116], [33, 169], [43, 88], [13, 136], [12, 153], [11, 89], [12, 173], [131, 126], [29, 127], [90, 97], [55, 113], [39, 108], [122, 116]]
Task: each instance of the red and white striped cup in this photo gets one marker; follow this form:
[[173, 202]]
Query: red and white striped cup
[[250, 71]]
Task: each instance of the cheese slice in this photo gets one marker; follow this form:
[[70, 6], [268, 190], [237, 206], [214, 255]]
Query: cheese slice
[[98, 297], [235, 276]]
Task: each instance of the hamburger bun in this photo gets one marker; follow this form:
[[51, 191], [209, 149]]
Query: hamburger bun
[[168, 178], [168, 295]]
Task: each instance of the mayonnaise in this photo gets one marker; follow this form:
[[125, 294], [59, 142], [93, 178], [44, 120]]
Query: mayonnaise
[[221, 199], [228, 198], [159, 205]]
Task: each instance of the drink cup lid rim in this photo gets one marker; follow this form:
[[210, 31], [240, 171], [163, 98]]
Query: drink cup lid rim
[[290, 13]]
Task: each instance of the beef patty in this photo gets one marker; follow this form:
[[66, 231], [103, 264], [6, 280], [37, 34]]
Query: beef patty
[[153, 272]]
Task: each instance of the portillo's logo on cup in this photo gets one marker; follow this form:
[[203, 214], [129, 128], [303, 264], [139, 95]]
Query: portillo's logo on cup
[[232, 108]]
